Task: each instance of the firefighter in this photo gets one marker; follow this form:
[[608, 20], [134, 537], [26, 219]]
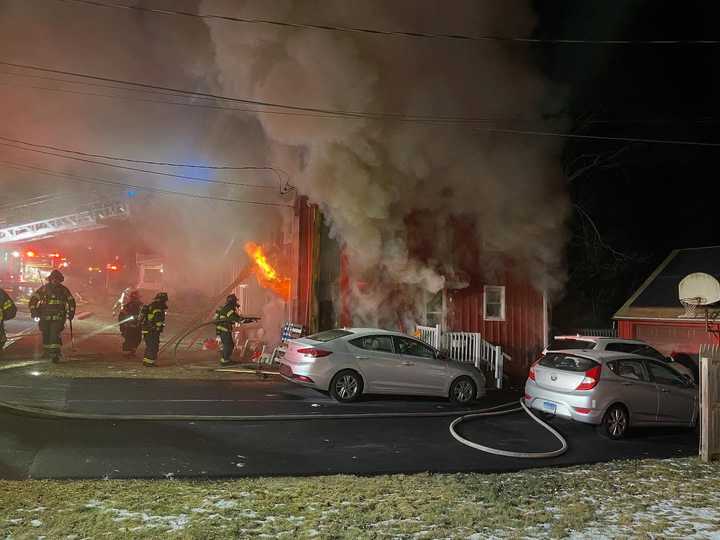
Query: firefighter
[[52, 304], [152, 319], [225, 318], [129, 319], [8, 310]]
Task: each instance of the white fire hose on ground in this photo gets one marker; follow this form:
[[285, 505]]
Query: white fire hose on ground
[[497, 410]]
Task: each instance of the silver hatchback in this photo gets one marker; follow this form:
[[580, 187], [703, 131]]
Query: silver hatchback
[[613, 390], [349, 362]]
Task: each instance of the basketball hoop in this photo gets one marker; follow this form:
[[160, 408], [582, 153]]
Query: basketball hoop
[[691, 305]]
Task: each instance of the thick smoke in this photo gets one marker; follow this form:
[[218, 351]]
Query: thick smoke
[[372, 178], [201, 240]]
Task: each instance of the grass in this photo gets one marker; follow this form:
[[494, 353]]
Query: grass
[[634, 499]]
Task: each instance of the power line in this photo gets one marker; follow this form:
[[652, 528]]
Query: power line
[[599, 137], [136, 169], [101, 181], [396, 33], [102, 156], [297, 108], [378, 116], [166, 102]]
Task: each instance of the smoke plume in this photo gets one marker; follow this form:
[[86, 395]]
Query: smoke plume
[[373, 178]]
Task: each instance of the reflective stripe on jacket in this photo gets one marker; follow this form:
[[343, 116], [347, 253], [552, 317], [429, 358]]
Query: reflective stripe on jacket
[[225, 318], [153, 318], [52, 303]]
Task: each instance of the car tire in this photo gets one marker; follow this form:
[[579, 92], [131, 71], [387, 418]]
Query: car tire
[[346, 386], [462, 391], [615, 423]]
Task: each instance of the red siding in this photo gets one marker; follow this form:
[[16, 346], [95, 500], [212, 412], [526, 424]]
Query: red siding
[[307, 216], [668, 336], [520, 334]]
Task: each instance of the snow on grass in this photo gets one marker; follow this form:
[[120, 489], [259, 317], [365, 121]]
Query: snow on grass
[[651, 499]]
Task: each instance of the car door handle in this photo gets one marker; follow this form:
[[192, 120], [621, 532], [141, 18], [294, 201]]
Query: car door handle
[[407, 363], [362, 357]]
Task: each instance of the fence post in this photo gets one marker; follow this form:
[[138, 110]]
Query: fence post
[[498, 367], [709, 402]]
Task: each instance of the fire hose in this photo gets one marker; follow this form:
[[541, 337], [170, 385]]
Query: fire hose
[[497, 410]]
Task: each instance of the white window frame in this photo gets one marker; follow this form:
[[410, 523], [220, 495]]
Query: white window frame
[[487, 288]]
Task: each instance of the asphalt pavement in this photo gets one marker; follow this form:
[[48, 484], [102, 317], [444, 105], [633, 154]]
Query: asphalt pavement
[[40, 447]]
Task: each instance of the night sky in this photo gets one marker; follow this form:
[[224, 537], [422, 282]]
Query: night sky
[[645, 199]]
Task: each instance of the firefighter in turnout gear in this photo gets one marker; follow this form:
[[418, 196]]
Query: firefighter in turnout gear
[[129, 319], [8, 310], [152, 320], [52, 304], [225, 318]]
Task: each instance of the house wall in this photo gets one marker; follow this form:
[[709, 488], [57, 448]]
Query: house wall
[[521, 334], [668, 336]]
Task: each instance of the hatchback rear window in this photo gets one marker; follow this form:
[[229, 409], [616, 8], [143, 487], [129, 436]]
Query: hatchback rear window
[[571, 344], [567, 362], [329, 335]]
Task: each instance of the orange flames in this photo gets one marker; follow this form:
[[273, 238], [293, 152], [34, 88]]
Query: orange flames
[[266, 275]]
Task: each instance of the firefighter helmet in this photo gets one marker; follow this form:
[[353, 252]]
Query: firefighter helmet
[[161, 297], [232, 300], [56, 275]]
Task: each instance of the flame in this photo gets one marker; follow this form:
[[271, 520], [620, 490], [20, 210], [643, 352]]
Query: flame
[[266, 275]]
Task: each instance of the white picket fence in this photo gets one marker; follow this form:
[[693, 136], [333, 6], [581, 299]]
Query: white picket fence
[[709, 402], [467, 347]]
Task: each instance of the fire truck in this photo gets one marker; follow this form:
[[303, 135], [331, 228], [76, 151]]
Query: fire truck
[[21, 272]]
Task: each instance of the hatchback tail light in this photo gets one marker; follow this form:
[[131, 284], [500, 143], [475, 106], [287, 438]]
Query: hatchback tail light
[[582, 410], [592, 377], [531, 373], [315, 353]]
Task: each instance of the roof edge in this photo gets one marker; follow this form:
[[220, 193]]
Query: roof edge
[[646, 283]]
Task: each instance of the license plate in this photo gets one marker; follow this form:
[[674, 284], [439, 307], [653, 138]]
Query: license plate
[[549, 406]]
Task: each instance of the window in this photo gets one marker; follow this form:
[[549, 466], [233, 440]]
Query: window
[[635, 348], [646, 350], [664, 375], [435, 309], [413, 348], [329, 335], [494, 297], [562, 344], [629, 369], [374, 343], [567, 362]]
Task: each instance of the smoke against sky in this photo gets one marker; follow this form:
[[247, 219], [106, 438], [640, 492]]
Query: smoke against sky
[[191, 234], [372, 177]]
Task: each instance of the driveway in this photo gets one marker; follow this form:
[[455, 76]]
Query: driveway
[[41, 447]]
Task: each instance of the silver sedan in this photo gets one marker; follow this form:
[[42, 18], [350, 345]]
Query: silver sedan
[[351, 361], [610, 389]]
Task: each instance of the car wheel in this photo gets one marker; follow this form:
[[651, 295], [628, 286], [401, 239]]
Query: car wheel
[[346, 386], [463, 390], [616, 422]]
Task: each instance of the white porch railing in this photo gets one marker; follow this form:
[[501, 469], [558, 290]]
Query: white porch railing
[[467, 347], [429, 334]]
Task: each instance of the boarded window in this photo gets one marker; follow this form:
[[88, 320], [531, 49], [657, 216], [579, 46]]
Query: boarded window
[[494, 309]]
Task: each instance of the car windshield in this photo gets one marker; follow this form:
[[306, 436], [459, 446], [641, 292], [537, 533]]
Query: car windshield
[[329, 335], [559, 344], [567, 362]]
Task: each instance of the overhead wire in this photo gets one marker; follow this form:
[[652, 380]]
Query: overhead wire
[[146, 171], [392, 33], [326, 113], [102, 181], [261, 103]]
